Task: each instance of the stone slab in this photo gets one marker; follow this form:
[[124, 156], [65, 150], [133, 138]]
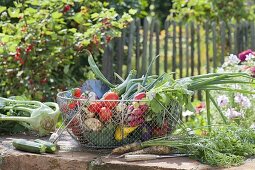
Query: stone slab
[[73, 157]]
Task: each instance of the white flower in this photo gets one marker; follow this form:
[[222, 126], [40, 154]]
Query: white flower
[[249, 57], [231, 113], [253, 126], [187, 113], [220, 70], [222, 100], [243, 100], [233, 59]]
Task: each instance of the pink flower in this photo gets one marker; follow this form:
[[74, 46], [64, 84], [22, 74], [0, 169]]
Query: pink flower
[[242, 56], [252, 70], [200, 107]]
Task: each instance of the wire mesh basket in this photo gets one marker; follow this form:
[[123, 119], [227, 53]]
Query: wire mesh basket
[[112, 123]]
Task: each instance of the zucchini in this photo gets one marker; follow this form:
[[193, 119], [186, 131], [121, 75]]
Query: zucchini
[[50, 147], [28, 146]]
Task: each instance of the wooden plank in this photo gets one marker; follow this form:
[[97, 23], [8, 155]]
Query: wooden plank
[[192, 46], [107, 61], [199, 94], [207, 47], [180, 50], [120, 52], [166, 26], [130, 46], [145, 42], [214, 46], [174, 50], [157, 30], [235, 39], [198, 50], [252, 36], [229, 29], [137, 50], [187, 49], [239, 38], [152, 26], [246, 40], [222, 40]]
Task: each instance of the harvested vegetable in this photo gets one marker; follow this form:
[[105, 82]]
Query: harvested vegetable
[[227, 145], [127, 148], [93, 124], [50, 147], [105, 114], [122, 132], [112, 97], [28, 146], [158, 150], [34, 115]]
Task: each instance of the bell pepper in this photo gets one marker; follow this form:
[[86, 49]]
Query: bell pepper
[[122, 132]]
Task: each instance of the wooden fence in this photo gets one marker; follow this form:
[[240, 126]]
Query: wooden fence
[[186, 49]]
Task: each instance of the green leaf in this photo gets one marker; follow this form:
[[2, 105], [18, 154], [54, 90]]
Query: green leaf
[[94, 15], [56, 15], [14, 12], [132, 11], [72, 30], [78, 18], [2, 8]]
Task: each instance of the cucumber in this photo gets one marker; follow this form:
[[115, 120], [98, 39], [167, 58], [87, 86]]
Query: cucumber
[[50, 147], [28, 146]]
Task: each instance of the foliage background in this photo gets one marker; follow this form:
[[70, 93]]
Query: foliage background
[[42, 42]]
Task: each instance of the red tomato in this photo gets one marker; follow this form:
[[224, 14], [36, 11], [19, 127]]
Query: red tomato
[[110, 96], [72, 105], [95, 107], [77, 92], [105, 114]]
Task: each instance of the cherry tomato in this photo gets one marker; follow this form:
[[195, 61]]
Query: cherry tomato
[[110, 96], [77, 92], [72, 105], [105, 114], [95, 107]]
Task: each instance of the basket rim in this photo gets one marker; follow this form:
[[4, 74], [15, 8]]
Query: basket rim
[[120, 100]]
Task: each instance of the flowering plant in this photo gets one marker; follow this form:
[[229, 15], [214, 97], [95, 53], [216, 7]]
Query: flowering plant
[[238, 106], [41, 43]]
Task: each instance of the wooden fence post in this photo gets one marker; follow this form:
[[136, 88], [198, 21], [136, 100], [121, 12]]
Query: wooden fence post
[[137, 54], [180, 50], [157, 30], [130, 46], [174, 51], [145, 39], [166, 26]]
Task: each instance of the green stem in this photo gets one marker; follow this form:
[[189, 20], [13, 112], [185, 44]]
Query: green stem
[[208, 109], [97, 72], [148, 70], [217, 107]]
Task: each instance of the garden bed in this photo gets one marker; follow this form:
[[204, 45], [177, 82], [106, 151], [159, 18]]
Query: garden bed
[[71, 156]]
